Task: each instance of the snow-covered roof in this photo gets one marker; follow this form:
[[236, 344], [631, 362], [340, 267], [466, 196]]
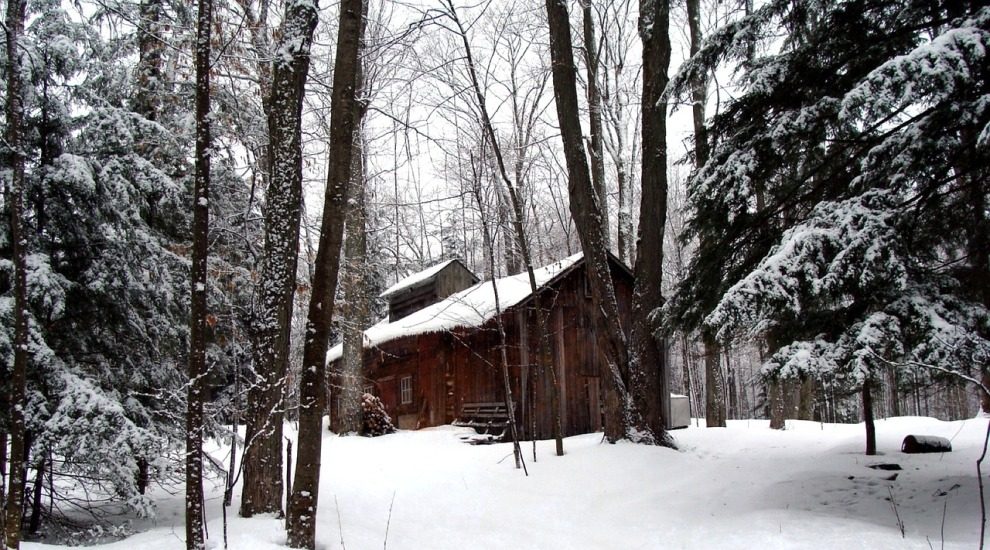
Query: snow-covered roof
[[471, 307], [415, 279]]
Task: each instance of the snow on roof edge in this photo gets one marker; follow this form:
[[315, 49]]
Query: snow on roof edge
[[471, 307], [416, 278]]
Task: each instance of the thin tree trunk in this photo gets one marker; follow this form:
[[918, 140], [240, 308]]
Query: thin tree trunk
[[871, 429], [775, 388], [714, 383], [148, 77], [503, 352], [34, 524], [596, 149], [15, 201], [197, 323], [621, 418], [354, 310], [344, 113], [715, 406], [546, 363], [262, 460]]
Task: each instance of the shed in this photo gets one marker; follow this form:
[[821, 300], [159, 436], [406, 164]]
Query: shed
[[427, 287], [430, 364]]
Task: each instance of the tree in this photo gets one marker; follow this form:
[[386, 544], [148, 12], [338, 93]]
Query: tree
[[14, 190], [838, 170], [647, 365], [198, 309], [622, 420], [344, 111], [522, 138], [283, 202], [715, 409]]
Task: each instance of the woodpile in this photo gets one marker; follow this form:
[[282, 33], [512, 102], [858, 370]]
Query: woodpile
[[376, 421]]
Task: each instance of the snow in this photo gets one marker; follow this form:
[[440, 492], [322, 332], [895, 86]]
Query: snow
[[471, 307], [744, 486], [415, 279]]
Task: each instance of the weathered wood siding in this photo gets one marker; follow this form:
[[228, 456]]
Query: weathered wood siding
[[464, 365]]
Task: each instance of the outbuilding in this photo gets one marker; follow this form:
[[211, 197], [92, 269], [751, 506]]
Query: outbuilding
[[436, 363]]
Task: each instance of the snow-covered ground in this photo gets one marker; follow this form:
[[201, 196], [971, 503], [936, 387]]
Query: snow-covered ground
[[745, 486]]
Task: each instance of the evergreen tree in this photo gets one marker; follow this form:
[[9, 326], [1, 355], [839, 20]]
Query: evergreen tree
[[844, 203]]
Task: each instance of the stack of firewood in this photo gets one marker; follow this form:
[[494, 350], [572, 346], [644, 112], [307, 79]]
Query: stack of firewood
[[376, 420]]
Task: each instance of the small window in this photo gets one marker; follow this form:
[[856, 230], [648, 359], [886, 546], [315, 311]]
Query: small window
[[369, 389], [405, 389]]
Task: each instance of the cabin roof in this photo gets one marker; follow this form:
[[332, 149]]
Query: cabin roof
[[420, 278], [472, 307]]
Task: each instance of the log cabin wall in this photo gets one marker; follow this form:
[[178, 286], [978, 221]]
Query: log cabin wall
[[447, 370]]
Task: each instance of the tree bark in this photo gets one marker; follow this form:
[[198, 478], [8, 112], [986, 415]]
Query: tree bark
[[871, 429], [715, 412], [15, 201], [648, 370], [344, 112], [197, 323], [597, 151], [621, 418], [151, 43], [354, 310], [775, 387], [262, 461]]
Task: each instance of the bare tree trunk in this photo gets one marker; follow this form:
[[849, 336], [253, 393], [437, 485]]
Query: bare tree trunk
[[197, 323], [262, 461], [714, 383], [715, 406], [647, 365], [596, 148], [151, 43], [621, 418], [15, 200], [871, 429], [546, 363], [34, 524], [775, 389], [344, 113], [354, 310]]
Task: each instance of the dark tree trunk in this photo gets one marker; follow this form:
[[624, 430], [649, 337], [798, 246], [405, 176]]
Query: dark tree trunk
[[197, 323], [871, 429], [262, 461], [596, 148], [34, 524], [148, 80], [621, 418], [344, 111], [15, 200], [648, 370]]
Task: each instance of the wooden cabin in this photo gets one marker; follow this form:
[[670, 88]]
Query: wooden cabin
[[433, 364]]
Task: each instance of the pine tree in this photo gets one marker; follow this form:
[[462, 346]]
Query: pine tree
[[844, 199]]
